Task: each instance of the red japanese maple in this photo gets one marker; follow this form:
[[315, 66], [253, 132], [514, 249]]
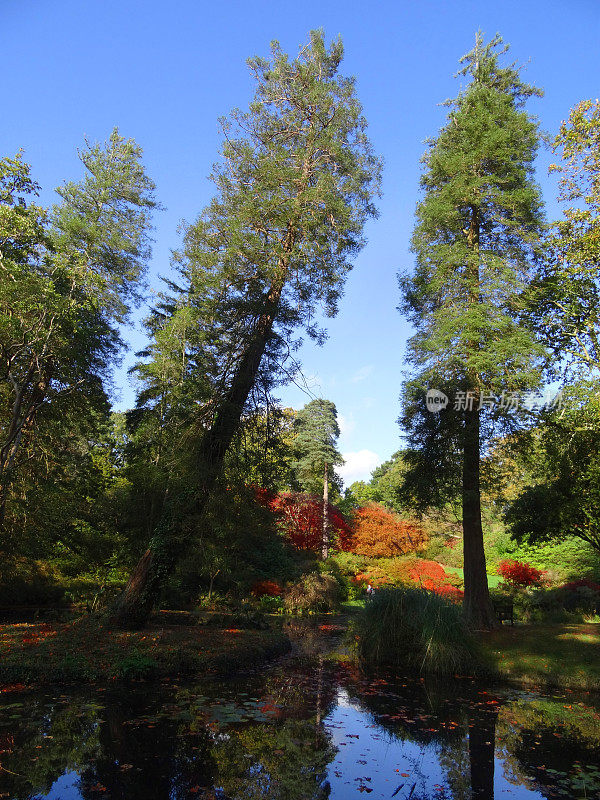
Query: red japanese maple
[[268, 588], [300, 517]]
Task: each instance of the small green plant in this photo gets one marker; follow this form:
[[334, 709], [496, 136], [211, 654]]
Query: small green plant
[[270, 605], [413, 629], [135, 665]]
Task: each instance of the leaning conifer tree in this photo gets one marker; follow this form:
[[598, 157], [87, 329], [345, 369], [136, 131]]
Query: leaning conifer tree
[[294, 188], [475, 241]]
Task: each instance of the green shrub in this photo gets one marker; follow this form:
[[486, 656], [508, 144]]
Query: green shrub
[[416, 630], [313, 592], [332, 568], [29, 584]]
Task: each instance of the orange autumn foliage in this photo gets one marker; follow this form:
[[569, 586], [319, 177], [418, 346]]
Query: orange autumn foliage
[[379, 534], [420, 572]]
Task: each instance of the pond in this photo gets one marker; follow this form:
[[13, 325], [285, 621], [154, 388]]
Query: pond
[[309, 726]]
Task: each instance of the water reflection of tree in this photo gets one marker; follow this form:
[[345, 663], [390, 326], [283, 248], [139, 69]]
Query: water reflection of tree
[[111, 742], [145, 756], [285, 758], [453, 721], [280, 760], [138, 744], [482, 746], [553, 745], [45, 741]]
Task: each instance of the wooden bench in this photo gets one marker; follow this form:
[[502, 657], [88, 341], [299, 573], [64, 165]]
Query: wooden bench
[[504, 610]]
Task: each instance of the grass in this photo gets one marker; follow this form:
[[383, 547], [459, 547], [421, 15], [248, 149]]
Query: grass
[[546, 655], [87, 650], [493, 580]]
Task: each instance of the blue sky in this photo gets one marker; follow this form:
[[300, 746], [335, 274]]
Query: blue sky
[[165, 71]]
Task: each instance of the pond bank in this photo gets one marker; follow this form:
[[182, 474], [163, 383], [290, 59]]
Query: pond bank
[[88, 650]]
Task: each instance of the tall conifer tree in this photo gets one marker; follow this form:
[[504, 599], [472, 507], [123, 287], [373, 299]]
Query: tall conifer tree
[[475, 241], [315, 447], [294, 187]]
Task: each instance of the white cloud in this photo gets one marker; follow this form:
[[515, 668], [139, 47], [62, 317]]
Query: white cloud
[[358, 466], [362, 374], [346, 424]]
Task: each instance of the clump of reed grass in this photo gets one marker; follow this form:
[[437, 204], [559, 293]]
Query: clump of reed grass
[[415, 630]]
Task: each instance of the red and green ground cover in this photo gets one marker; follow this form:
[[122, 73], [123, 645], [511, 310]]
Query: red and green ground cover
[[88, 650]]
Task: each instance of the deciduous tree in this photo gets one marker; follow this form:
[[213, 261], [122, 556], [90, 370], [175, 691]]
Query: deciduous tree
[[67, 280], [567, 290]]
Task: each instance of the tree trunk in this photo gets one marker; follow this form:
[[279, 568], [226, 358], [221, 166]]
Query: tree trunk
[[477, 607], [212, 582], [325, 545], [168, 545], [482, 745]]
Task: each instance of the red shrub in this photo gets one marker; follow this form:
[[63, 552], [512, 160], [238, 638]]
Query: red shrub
[[269, 588], [582, 583], [432, 576], [377, 533], [518, 573]]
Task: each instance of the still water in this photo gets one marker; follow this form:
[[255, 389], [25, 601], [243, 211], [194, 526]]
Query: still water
[[306, 727]]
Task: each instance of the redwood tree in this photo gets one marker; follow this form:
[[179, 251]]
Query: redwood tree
[[475, 242], [294, 187]]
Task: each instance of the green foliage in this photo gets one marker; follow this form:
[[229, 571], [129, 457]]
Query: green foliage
[[235, 545], [270, 605], [565, 559], [332, 567], [564, 500], [68, 278], [23, 582], [476, 238], [412, 629], [295, 184], [135, 665], [566, 293]]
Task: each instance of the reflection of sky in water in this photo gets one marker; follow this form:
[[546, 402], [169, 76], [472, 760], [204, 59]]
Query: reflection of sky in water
[[143, 750], [377, 759], [65, 788]]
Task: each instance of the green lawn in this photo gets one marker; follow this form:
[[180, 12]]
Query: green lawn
[[546, 655], [493, 580]]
